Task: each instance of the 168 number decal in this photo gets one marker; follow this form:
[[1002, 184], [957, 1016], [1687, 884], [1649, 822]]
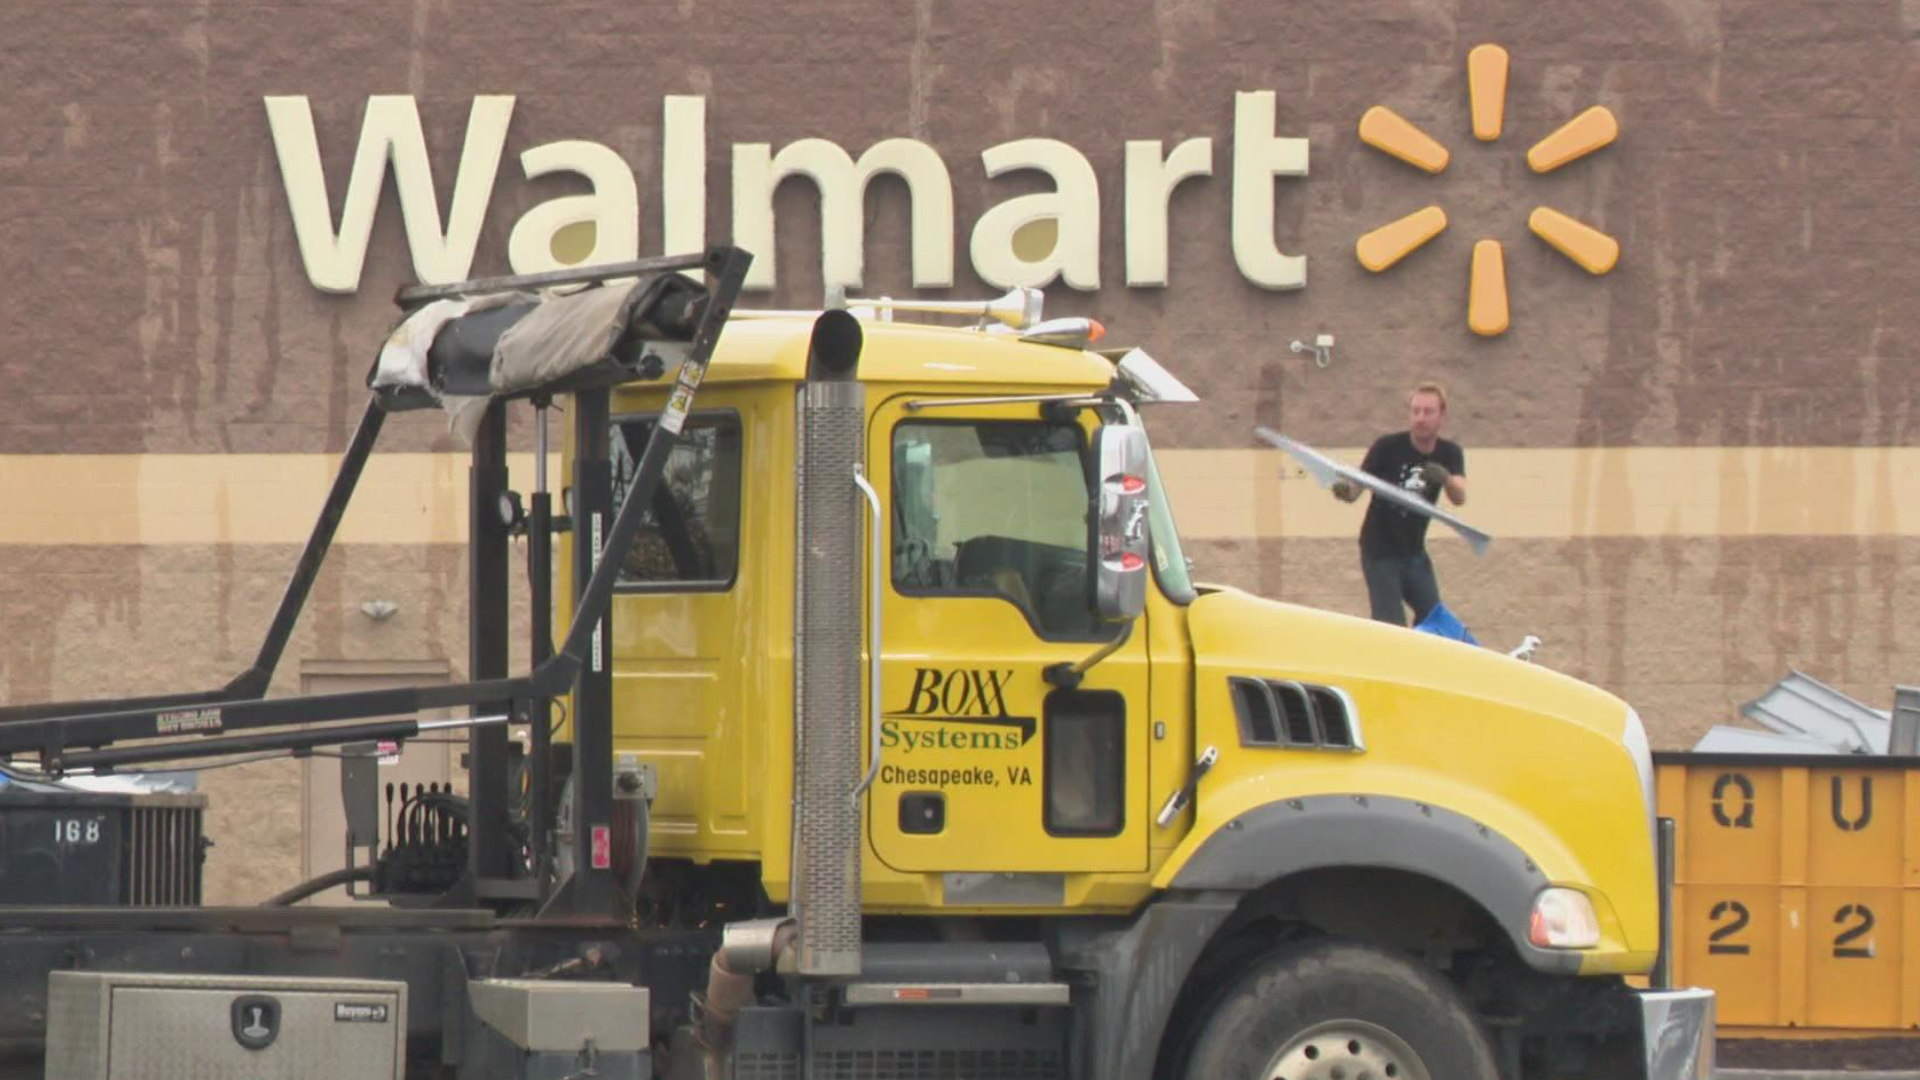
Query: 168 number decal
[[76, 831]]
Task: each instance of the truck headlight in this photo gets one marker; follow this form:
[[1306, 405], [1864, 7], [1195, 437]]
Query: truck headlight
[[1563, 919]]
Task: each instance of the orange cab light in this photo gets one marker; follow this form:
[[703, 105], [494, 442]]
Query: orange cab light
[[1095, 331]]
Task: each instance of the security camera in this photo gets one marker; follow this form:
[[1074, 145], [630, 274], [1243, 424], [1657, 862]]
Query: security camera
[[1322, 349]]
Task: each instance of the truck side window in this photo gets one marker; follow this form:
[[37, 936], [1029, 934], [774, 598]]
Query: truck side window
[[690, 536], [995, 507]]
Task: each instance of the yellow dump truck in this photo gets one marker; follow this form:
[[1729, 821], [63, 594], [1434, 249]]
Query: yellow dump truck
[[911, 649], [876, 728]]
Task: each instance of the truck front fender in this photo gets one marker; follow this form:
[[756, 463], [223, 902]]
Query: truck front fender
[[1279, 839], [1141, 970]]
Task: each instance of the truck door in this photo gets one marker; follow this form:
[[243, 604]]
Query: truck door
[[984, 764]]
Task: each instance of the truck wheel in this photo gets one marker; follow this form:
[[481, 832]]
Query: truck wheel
[[1337, 1011]]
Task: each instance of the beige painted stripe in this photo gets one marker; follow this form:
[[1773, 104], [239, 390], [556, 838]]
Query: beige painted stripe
[[233, 498], [1566, 493], [1217, 495]]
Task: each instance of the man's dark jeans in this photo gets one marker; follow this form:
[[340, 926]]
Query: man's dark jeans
[[1396, 580]]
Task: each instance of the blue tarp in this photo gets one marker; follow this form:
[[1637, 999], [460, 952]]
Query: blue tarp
[[1442, 623]]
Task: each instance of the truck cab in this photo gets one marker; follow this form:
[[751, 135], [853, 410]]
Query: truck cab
[[1197, 809]]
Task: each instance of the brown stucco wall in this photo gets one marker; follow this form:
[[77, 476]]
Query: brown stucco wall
[[1685, 629], [109, 620], [152, 299]]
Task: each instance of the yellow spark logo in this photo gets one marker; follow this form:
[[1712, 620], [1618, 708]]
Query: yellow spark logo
[[1386, 131]]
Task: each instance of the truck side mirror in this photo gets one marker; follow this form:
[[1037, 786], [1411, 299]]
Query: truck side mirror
[[1120, 534]]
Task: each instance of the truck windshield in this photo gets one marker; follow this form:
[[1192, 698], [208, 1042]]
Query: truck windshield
[[1169, 561]]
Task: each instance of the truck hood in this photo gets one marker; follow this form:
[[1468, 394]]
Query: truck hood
[[1237, 634]]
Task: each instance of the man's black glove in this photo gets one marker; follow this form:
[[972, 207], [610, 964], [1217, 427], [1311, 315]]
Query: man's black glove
[[1435, 475]]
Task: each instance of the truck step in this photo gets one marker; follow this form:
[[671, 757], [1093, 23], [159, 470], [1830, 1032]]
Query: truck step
[[878, 993]]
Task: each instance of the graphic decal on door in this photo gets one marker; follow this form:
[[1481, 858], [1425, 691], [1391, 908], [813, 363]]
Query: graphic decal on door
[[956, 709]]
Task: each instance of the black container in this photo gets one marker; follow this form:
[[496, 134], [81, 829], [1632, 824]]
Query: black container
[[99, 849]]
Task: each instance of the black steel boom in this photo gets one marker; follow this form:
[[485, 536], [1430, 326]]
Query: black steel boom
[[69, 734]]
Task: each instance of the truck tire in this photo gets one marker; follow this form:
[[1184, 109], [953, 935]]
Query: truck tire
[[1329, 1010]]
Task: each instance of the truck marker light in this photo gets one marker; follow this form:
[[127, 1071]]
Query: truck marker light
[[1077, 332], [1563, 919]]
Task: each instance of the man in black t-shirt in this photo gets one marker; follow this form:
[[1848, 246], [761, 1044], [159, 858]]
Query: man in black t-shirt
[[1393, 541]]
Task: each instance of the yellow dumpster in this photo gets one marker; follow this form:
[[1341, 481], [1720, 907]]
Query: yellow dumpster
[[1797, 890]]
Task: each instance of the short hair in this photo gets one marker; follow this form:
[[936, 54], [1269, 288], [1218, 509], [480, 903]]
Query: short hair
[[1433, 388]]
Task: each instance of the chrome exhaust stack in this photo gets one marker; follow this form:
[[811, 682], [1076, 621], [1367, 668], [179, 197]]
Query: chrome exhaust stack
[[826, 652]]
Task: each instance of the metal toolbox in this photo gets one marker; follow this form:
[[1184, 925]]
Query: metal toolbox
[[104, 1025]]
